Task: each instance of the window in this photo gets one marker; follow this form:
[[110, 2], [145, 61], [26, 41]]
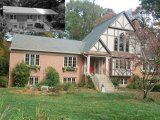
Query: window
[[33, 81], [123, 81], [13, 17], [29, 17], [70, 61], [116, 44], [127, 45], [69, 80], [122, 64], [121, 42], [117, 63], [30, 25], [32, 59], [15, 26]]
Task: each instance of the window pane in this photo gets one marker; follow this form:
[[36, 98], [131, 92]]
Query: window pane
[[65, 61], [128, 64], [121, 42], [36, 80], [73, 80], [32, 59], [31, 81], [70, 62], [125, 81], [116, 44], [69, 80], [37, 59], [117, 63], [27, 59], [74, 61], [127, 46]]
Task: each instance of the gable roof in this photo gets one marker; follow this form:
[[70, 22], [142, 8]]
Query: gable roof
[[26, 10], [45, 44], [95, 34]]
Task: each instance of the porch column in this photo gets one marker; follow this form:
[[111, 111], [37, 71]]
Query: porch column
[[107, 66], [88, 64]]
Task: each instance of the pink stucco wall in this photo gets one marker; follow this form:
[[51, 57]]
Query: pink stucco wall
[[47, 59]]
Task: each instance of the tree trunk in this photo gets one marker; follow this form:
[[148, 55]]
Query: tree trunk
[[145, 93]]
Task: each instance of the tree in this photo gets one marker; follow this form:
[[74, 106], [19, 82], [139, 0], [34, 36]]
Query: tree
[[151, 6], [148, 57], [52, 77], [21, 74], [81, 16]]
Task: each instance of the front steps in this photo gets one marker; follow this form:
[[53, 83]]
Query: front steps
[[102, 83]]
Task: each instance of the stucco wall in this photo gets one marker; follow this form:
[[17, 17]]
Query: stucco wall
[[48, 59]]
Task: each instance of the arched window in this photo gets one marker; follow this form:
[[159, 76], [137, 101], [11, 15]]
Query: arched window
[[116, 44], [121, 42]]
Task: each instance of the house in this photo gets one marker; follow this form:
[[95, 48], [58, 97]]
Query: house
[[22, 18], [104, 54]]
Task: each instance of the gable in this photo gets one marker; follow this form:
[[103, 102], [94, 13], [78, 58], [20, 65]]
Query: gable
[[98, 47], [123, 23]]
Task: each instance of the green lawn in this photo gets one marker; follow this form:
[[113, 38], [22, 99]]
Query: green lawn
[[77, 106]]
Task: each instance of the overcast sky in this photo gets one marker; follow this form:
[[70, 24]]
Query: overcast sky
[[117, 5]]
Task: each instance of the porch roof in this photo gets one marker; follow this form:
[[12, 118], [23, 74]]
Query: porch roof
[[26, 10], [45, 44]]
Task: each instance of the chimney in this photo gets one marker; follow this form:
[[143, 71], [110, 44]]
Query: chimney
[[136, 24]]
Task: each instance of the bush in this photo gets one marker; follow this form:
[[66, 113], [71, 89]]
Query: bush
[[136, 84], [21, 75], [156, 88], [3, 81], [69, 87], [89, 83], [52, 77], [4, 65], [115, 82]]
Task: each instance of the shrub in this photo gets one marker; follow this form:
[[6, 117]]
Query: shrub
[[115, 82], [69, 87], [136, 84], [52, 77], [4, 65], [3, 81], [21, 75], [156, 88], [89, 82]]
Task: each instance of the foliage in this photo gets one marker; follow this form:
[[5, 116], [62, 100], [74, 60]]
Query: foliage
[[66, 68], [156, 88], [84, 104], [89, 82], [80, 17], [45, 34], [115, 82], [136, 83], [3, 25], [4, 66], [3, 81], [151, 6], [21, 74], [52, 77]]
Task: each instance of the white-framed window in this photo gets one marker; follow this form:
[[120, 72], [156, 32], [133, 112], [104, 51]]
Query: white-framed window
[[29, 17], [149, 67], [13, 17], [121, 43], [33, 81], [122, 64], [70, 61], [32, 59], [69, 80], [123, 81]]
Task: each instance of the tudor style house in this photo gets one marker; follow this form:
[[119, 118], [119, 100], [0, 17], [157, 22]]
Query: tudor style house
[[23, 18], [104, 54]]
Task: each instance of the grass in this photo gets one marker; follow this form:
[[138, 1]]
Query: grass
[[80, 105]]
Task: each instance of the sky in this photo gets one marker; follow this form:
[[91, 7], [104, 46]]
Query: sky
[[117, 5]]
